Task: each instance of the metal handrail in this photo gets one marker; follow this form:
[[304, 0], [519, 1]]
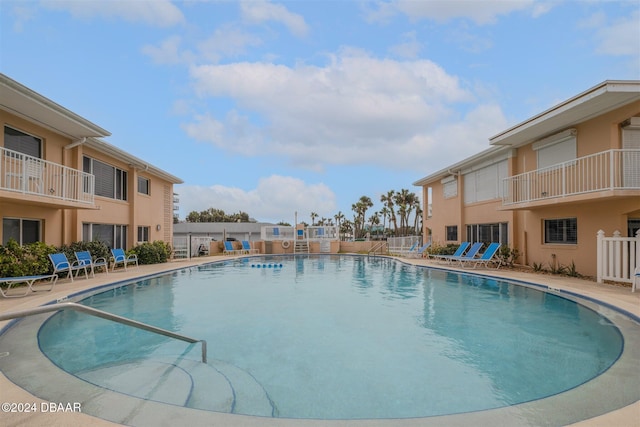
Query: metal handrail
[[104, 315], [375, 247]]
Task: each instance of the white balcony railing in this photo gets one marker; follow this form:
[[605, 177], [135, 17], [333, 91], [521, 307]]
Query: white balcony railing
[[607, 170], [30, 175]]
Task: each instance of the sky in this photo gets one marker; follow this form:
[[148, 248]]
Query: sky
[[273, 108]]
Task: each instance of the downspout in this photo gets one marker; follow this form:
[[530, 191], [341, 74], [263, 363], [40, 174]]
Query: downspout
[[76, 143]]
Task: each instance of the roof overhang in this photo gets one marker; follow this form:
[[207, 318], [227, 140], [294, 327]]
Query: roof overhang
[[600, 99], [23, 102], [133, 161], [492, 154]]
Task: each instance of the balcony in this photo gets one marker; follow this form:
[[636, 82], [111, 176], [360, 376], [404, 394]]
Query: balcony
[[608, 171], [40, 181]]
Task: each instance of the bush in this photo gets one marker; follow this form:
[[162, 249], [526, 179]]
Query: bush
[[152, 253], [96, 248], [28, 260], [436, 249], [508, 256]]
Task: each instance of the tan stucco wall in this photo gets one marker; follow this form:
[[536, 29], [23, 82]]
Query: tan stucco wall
[[65, 225], [594, 211]]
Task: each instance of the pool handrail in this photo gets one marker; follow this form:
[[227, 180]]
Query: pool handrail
[[105, 315]]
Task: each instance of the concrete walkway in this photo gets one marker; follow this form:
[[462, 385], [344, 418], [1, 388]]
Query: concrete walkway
[[43, 414]]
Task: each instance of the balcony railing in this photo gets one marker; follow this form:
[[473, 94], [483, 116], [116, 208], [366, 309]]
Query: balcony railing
[[607, 170], [30, 175]]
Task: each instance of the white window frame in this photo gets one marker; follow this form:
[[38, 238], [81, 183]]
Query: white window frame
[[449, 187], [485, 183], [147, 181], [557, 148], [144, 232]]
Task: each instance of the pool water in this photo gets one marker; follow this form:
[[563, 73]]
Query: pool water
[[345, 337]]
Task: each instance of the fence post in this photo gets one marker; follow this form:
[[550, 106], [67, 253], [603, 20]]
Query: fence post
[[599, 257]]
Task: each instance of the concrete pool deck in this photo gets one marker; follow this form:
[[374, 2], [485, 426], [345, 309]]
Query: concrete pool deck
[[614, 295]]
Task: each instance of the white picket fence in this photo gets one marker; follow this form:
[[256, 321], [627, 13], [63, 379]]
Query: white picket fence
[[617, 257]]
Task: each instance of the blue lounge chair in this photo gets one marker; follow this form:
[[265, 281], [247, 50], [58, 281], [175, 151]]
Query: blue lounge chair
[[469, 255], [229, 249], [85, 258], [401, 251], [487, 257], [62, 265], [27, 280], [417, 253], [458, 253], [246, 248], [119, 257]]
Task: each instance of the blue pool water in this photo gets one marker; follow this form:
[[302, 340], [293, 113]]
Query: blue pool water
[[346, 337]]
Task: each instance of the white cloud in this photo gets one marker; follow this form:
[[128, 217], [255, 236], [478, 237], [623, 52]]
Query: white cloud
[[409, 48], [275, 198], [258, 11], [168, 52], [619, 38], [480, 12], [161, 13], [354, 110]]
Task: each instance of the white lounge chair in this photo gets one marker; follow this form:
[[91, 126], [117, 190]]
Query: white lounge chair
[[27, 280]]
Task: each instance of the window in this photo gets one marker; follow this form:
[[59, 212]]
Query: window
[[143, 234], [489, 233], [485, 183], [452, 232], [22, 143], [143, 186], [557, 148], [23, 231], [563, 230], [110, 181], [450, 188], [112, 235]]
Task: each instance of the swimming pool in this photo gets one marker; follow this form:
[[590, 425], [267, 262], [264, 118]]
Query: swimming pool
[[333, 337]]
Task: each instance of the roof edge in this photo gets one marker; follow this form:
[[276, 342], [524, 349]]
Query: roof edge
[[48, 103]]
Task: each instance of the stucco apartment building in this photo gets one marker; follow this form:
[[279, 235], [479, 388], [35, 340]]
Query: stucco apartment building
[[547, 185], [61, 183]]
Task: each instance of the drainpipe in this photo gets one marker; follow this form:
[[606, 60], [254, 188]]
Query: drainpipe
[[75, 143]]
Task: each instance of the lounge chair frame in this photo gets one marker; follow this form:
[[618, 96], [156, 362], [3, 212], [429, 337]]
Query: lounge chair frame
[[27, 280], [61, 264], [85, 258], [118, 256]]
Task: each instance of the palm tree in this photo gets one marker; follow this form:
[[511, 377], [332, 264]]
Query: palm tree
[[385, 213], [339, 217], [388, 201], [313, 218]]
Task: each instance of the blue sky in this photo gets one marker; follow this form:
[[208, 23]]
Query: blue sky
[[276, 107]]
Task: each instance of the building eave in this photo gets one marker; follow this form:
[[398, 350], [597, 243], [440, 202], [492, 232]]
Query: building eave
[[483, 156], [25, 103], [598, 100], [131, 160]]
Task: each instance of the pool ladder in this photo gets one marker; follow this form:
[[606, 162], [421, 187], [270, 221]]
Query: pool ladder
[[104, 315]]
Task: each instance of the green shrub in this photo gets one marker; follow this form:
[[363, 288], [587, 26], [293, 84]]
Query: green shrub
[[28, 260], [448, 249], [96, 248], [152, 253], [508, 256]]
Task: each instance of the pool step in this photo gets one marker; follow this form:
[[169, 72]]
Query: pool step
[[216, 386]]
